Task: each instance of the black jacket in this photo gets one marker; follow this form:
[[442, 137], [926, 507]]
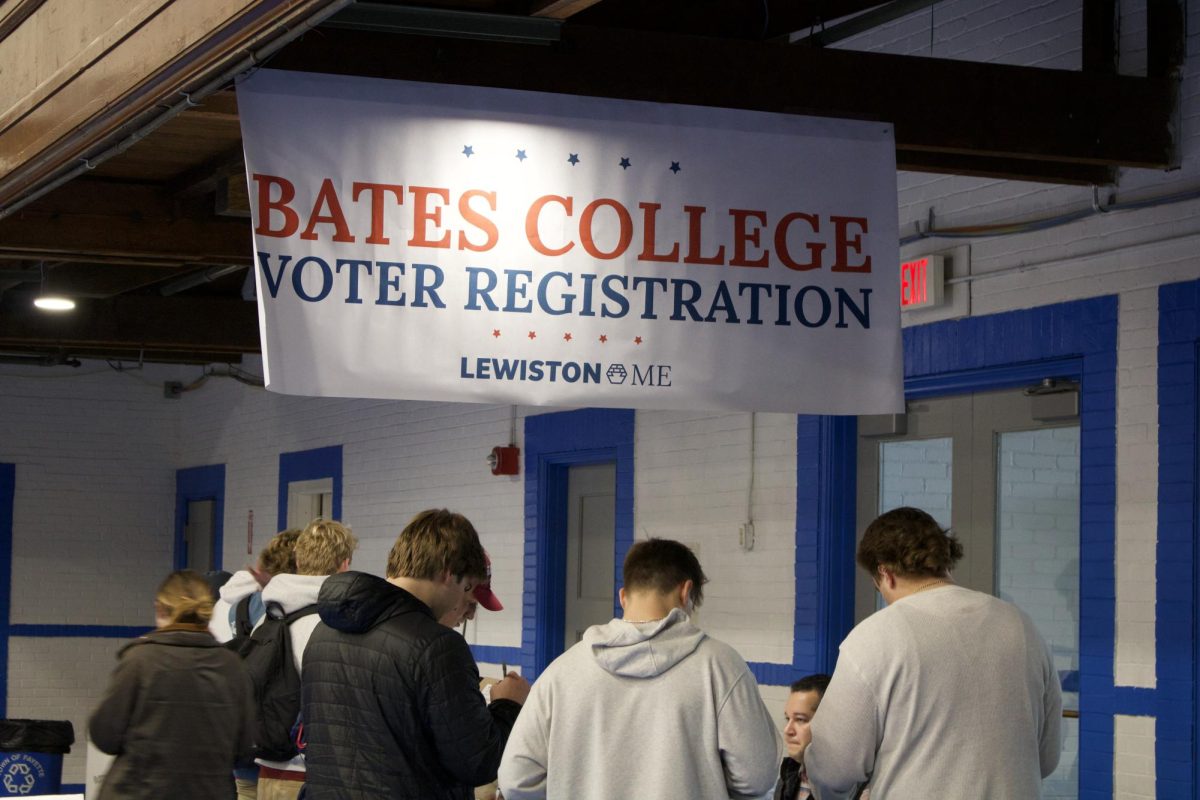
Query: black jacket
[[178, 712], [392, 706], [789, 780]]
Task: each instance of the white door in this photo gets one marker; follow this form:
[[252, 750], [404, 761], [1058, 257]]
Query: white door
[[591, 531], [308, 500], [198, 535]]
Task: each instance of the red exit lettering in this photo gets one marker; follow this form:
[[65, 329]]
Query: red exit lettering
[[921, 282]]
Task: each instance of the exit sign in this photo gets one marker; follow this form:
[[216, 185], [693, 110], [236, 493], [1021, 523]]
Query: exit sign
[[921, 283]]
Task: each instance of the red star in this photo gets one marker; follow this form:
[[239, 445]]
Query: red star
[[637, 340], [566, 337], [603, 338], [496, 333], [532, 334]]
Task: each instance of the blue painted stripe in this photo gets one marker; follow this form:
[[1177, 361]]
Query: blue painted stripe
[[8, 483], [494, 654], [826, 458], [774, 674], [72, 788], [1134, 701], [808, 635], [838, 510], [553, 443], [1002, 376], [200, 483], [80, 631], [1177, 587]]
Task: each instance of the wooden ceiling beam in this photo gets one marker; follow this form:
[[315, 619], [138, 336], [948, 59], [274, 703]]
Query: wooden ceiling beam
[[936, 105], [205, 178], [559, 9], [1007, 168], [758, 20], [114, 222], [161, 324]]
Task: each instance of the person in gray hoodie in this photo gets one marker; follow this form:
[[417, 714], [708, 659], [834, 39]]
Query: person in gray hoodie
[[647, 705]]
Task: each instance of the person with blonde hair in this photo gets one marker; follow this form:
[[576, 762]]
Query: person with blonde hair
[[178, 711], [325, 547]]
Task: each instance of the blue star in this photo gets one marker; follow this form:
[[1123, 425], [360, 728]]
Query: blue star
[[521, 155], [675, 167], [625, 163], [468, 151], [574, 159]]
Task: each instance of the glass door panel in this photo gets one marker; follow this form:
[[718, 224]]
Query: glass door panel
[[1037, 559]]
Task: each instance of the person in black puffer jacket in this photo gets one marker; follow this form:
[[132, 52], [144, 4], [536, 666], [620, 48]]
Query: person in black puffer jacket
[[391, 701]]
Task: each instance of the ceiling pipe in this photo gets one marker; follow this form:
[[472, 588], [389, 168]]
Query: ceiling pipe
[[863, 22], [382, 18], [40, 361], [190, 100], [197, 279]]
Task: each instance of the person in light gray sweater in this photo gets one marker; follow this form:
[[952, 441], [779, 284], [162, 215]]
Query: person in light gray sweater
[[946, 693], [647, 705]]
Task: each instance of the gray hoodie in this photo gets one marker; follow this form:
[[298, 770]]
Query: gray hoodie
[[656, 709]]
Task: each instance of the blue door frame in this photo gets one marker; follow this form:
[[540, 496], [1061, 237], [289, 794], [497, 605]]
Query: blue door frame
[[1175, 700], [193, 484], [310, 465], [553, 444]]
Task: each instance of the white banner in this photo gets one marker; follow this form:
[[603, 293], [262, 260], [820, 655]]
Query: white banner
[[434, 242]]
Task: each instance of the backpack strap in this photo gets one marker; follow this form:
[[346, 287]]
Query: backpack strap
[[242, 625], [288, 619]]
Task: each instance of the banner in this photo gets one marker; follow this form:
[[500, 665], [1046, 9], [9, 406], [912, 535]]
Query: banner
[[433, 242]]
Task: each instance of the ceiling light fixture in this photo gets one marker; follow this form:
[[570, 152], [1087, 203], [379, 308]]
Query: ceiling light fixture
[[48, 301]]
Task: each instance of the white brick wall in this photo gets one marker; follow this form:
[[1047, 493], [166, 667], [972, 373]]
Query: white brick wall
[[1137, 487], [917, 474], [1037, 549], [776, 698], [1037, 558], [398, 459], [93, 517], [691, 481], [60, 679], [1133, 758]]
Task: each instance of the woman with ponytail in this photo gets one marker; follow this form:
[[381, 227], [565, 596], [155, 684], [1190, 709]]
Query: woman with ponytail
[[179, 707]]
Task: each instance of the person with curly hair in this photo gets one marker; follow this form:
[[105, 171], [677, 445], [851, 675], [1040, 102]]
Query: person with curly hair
[[945, 693]]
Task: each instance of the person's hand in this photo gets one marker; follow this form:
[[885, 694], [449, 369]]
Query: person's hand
[[513, 687], [262, 576]]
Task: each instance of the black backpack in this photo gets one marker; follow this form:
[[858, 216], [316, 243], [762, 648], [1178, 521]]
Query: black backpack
[[242, 626], [267, 654]]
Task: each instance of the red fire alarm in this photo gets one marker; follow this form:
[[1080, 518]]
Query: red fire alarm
[[505, 460]]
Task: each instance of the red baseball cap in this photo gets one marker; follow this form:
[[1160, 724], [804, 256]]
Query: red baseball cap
[[483, 592]]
